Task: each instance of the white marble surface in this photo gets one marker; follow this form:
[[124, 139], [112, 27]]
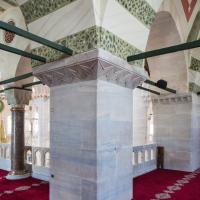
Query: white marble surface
[[115, 18], [91, 141], [91, 126], [65, 21]]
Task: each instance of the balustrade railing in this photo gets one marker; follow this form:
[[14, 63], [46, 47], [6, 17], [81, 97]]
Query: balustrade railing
[[36, 156], [144, 159], [5, 151]]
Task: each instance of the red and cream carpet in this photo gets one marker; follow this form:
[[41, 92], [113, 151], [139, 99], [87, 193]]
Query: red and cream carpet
[[156, 185], [167, 184], [26, 189]]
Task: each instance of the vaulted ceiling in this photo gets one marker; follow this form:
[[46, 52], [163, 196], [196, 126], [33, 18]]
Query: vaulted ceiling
[[124, 25]]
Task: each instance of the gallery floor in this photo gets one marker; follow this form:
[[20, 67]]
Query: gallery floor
[[156, 185]]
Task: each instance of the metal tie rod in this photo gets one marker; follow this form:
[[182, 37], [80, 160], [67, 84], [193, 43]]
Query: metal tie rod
[[148, 90], [167, 50], [32, 84], [17, 78], [33, 37], [22, 53], [18, 88]]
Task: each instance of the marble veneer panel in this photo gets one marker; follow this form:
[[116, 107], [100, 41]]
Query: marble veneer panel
[[91, 141], [195, 132], [172, 129]]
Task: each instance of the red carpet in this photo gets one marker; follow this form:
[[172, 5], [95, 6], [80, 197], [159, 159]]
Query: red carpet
[[156, 185], [167, 184], [26, 189]]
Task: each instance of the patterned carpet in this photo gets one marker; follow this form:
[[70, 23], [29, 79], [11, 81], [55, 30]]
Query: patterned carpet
[[26, 189], [167, 184], [156, 185]]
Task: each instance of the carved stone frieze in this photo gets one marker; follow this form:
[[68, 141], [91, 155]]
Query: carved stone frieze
[[97, 64], [178, 98]]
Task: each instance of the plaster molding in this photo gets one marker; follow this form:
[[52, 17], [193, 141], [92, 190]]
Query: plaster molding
[[170, 99], [96, 64]]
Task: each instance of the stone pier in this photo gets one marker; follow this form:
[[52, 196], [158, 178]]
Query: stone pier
[[91, 126]]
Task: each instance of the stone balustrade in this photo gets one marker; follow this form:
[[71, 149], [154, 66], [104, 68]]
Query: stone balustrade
[[36, 158], [144, 159], [41, 156], [5, 151]]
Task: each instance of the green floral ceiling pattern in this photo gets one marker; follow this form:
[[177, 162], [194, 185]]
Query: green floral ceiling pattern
[[140, 9], [91, 38], [193, 87], [35, 9], [11, 2], [1, 9], [195, 64]]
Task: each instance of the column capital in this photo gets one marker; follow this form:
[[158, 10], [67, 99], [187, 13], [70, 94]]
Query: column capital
[[96, 64], [18, 98]]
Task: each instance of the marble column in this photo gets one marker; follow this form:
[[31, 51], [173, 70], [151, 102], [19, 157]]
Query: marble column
[[17, 98], [91, 126]]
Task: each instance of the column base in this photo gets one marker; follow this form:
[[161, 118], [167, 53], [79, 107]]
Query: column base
[[17, 176]]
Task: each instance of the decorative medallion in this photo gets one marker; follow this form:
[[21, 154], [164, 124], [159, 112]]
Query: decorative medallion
[[9, 36], [188, 6], [1, 106]]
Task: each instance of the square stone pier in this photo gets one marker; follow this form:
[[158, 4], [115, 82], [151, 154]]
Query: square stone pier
[[91, 126]]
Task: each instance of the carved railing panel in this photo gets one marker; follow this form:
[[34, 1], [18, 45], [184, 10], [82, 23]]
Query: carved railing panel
[[144, 159]]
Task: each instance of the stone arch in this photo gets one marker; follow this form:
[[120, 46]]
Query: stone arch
[[170, 67], [13, 65]]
